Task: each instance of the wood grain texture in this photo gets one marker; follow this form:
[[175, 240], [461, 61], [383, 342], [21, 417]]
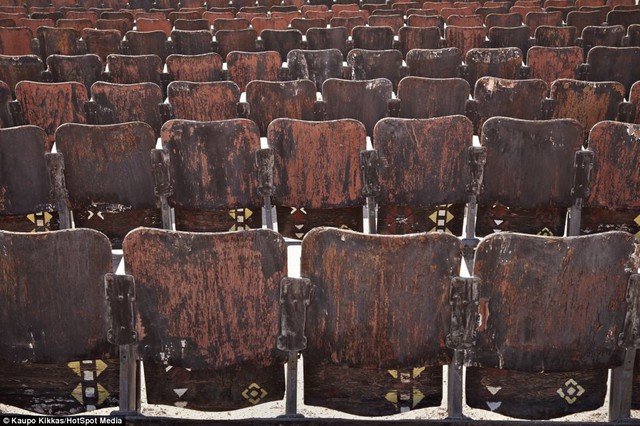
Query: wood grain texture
[[195, 68], [236, 40], [465, 38], [508, 98], [364, 317], [372, 64], [315, 65], [418, 38], [614, 64], [317, 164], [247, 66], [49, 105], [14, 69], [288, 99], [529, 163], [206, 101], [587, 277], [209, 302], [85, 69], [212, 163], [120, 103], [551, 63], [281, 41], [435, 63], [422, 97], [129, 69], [42, 335], [192, 42], [365, 101], [586, 102], [417, 166]]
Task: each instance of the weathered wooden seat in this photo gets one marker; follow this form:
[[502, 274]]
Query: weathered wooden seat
[[465, 38], [418, 38], [529, 176], [371, 64], [551, 63], [316, 174], [56, 358], [369, 358], [211, 179], [236, 40], [17, 41], [510, 37], [203, 101], [315, 65], [503, 62], [205, 67], [550, 36], [192, 42], [85, 69], [244, 67], [435, 63], [281, 41], [586, 288], [58, 41], [372, 38], [422, 97], [129, 69], [269, 100], [209, 306], [329, 38], [614, 64], [48, 105], [14, 69], [148, 43], [109, 180], [102, 42]]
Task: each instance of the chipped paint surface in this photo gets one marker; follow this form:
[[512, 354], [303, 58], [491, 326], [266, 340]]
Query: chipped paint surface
[[247, 66], [195, 68], [203, 101]]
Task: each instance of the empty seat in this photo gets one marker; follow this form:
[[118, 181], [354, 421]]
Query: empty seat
[[147, 43], [494, 96], [372, 38], [395, 22], [348, 22], [566, 278], [281, 41], [510, 37], [551, 63], [213, 174], [316, 174], [192, 42], [236, 40], [465, 38], [114, 103], [25, 205], [17, 41], [203, 101], [521, 194], [315, 65], [614, 64], [587, 102], [14, 69], [122, 25], [424, 174], [507, 20], [535, 19], [244, 67], [58, 41], [108, 175], [48, 105], [85, 69], [435, 63], [261, 23], [364, 100], [328, 38], [205, 67], [269, 100], [102, 42], [128, 69], [503, 62], [422, 97], [148, 24], [612, 203], [584, 18], [555, 36], [226, 281], [418, 38], [401, 345], [48, 359], [372, 64], [230, 24]]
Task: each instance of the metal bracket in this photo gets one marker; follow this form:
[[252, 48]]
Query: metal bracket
[[631, 333], [162, 183], [626, 112], [583, 163], [242, 109], [547, 106], [57, 183], [320, 110], [295, 296], [477, 160], [393, 107], [120, 293], [369, 163], [15, 109], [464, 312], [265, 159]]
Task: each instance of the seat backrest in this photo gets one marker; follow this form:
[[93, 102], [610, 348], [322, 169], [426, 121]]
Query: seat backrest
[[328, 38], [564, 36], [534, 19], [195, 295], [585, 101], [363, 100], [102, 42], [147, 43], [316, 174], [501, 62], [435, 63], [245, 67], [506, 20], [269, 100], [108, 175], [419, 173], [192, 42], [203, 101], [583, 18], [494, 96], [48, 105], [623, 17], [150, 24], [119, 103], [58, 41], [566, 278], [551, 63], [615, 177], [353, 334], [236, 40], [614, 64], [418, 38], [205, 67], [422, 97], [372, 38], [634, 98], [465, 38], [315, 65], [213, 173], [281, 41], [14, 69], [85, 69], [529, 175], [25, 205], [371, 64], [16, 41]]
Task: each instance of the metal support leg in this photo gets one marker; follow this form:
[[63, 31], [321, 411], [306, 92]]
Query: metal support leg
[[621, 384], [454, 386]]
